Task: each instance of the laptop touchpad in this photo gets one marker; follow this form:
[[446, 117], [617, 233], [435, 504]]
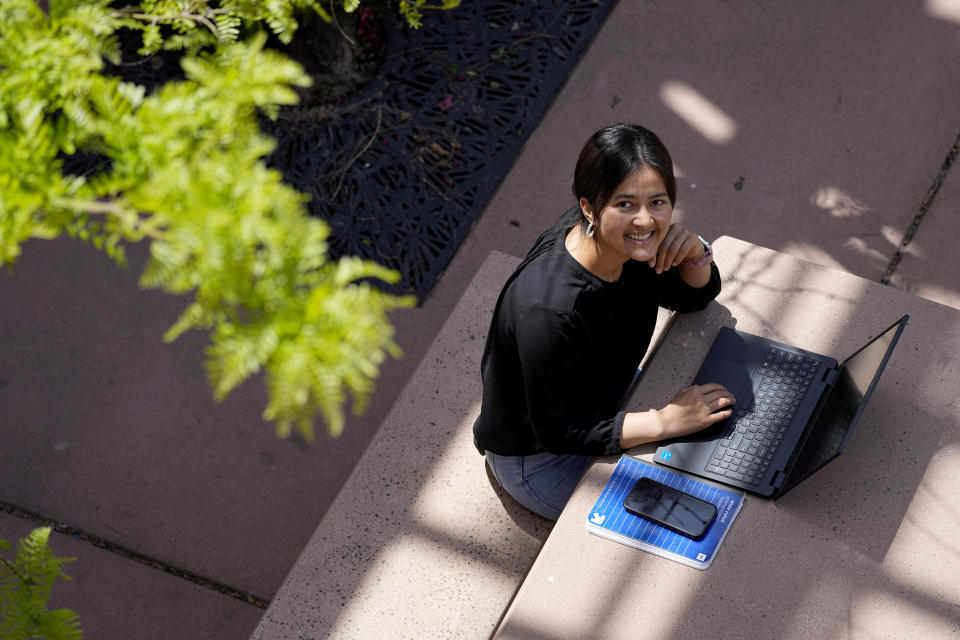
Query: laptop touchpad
[[732, 375]]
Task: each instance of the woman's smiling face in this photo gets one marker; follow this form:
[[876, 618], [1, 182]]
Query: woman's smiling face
[[635, 220]]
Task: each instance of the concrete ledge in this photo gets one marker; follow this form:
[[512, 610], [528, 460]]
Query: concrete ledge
[[856, 551], [418, 544]]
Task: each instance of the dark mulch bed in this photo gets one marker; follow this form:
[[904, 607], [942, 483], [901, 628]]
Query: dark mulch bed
[[403, 167]]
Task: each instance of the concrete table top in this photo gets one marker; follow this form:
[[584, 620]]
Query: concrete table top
[[864, 548]]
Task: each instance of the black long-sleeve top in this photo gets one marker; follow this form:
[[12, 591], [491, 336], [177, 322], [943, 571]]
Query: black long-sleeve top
[[564, 345]]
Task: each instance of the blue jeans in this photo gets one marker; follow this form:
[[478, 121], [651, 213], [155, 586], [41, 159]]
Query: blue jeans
[[542, 482]]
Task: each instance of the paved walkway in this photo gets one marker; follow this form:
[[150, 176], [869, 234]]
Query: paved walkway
[[817, 129]]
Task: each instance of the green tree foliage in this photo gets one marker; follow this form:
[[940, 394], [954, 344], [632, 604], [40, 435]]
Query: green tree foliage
[[186, 173], [413, 10], [25, 584], [196, 23]]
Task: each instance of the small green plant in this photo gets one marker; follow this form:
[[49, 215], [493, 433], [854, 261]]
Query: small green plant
[[25, 584]]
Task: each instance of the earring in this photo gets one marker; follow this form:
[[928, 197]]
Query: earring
[[591, 229]]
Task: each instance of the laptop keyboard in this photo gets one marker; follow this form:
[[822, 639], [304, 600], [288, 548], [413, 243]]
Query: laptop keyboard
[[753, 434]]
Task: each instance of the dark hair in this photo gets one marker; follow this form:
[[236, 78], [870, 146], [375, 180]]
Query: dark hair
[[613, 153]]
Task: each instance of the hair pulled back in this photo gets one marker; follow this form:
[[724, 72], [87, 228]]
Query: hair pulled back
[[609, 156]]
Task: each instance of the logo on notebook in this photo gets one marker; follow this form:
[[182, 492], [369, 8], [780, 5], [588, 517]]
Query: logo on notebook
[[701, 557], [666, 455], [597, 518]]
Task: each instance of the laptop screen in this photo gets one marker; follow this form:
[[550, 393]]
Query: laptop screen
[[858, 375]]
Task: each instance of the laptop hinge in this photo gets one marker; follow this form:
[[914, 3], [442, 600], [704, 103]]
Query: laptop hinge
[[829, 376], [778, 479]]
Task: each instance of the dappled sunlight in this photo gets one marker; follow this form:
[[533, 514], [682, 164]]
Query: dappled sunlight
[[698, 111], [948, 10], [880, 256], [867, 549], [892, 235], [812, 252], [937, 293], [875, 246], [862, 247], [921, 273], [418, 527], [430, 539], [564, 571], [830, 598], [784, 311], [882, 613], [438, 491], [838, 203], [673, 591], [819, 292], [865, 602], [918, 587], [912, 584], [453, 504], [402, 581], [925, 554]]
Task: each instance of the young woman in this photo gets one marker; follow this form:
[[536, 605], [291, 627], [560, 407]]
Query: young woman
[[576, 317]]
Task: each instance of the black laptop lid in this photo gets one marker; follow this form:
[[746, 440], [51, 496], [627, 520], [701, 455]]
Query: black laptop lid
[[856, 379]]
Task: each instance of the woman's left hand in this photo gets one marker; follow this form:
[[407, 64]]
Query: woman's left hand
[[678, 245]]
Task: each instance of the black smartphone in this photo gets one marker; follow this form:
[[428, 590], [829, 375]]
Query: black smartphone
[[669, 507]]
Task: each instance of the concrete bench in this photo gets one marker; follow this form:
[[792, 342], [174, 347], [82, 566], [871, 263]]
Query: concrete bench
[[858, 550], [418, 544]]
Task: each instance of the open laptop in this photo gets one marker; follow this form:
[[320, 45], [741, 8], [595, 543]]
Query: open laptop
[[795, 410]]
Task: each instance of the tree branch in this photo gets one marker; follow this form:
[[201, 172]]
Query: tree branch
[[333, 15], [200, 18], [106, 208]]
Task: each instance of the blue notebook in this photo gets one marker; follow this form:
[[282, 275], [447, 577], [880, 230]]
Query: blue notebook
[[609, 520]]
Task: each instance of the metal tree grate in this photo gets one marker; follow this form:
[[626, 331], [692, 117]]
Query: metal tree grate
[[402, 169]]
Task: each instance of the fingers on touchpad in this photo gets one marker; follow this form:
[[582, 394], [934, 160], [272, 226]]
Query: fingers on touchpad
[[732, 375]]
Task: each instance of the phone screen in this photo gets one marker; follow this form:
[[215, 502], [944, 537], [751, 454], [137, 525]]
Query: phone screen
[[669, 507]]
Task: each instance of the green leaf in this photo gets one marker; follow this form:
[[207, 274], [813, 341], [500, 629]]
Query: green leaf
[[25, 585]]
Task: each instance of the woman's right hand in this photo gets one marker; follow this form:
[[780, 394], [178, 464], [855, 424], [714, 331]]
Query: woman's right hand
[[696, 408], [691, 410]]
